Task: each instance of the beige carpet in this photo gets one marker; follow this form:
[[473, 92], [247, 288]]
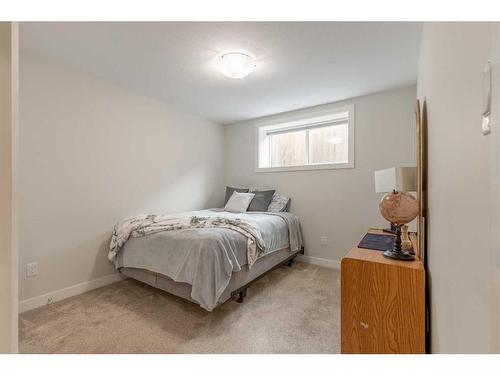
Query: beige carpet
[[290, 310]]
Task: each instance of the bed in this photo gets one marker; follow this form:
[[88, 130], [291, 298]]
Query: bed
[[206, 256]]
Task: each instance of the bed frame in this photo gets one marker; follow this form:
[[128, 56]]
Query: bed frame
[[237, 287], [241, 292]]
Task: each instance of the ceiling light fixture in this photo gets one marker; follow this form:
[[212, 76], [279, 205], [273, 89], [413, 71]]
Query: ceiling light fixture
[[236, 65]]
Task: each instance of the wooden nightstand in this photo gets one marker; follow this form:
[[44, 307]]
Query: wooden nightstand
[[382, 303]]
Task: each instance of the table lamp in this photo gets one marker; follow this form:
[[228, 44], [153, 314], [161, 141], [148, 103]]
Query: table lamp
[[397, 205]]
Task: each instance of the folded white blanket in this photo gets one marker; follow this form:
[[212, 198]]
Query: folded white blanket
[[142, 225]]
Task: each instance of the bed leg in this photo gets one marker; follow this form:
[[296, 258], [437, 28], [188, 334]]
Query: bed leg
[[241, 296], [290, 262]]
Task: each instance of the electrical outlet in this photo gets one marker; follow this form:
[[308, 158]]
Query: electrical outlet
[[31, 269], [324, 240]]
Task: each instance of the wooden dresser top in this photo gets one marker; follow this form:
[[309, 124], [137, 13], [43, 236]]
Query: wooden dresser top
[[376, 256]]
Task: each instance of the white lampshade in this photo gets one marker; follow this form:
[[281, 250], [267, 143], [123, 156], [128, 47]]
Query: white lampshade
[[398, 178]]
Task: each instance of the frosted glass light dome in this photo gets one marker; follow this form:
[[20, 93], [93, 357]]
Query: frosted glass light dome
[[236, 65]]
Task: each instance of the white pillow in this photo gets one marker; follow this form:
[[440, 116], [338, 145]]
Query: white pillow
[[239, 202]]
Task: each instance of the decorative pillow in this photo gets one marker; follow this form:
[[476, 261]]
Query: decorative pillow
[[279, 203], [230, 190], [261, 200], [239, 202]]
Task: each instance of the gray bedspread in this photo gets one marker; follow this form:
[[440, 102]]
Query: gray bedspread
[[205, 258]]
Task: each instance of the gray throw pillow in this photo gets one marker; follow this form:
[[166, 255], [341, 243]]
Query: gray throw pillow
[[279, 203], [230, 190], [261, 200]]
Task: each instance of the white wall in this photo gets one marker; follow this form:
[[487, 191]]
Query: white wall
[[6, 299], [495, 187], [338, 203], [460, 205], [92, 153]]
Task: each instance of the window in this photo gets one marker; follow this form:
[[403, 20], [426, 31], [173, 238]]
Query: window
[[321, 141]]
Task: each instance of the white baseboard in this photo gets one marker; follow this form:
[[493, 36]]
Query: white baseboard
[[330, 263], [58, 295]]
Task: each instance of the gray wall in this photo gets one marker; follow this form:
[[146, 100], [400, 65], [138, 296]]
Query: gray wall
[[91, 153], [460, 205], [338, 203], [495, 187], [6, 299]]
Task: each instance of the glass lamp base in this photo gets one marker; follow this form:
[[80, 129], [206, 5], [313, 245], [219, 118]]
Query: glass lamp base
[[398, 255]]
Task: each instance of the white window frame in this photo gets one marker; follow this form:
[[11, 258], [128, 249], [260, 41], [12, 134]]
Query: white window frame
[[307, 120]]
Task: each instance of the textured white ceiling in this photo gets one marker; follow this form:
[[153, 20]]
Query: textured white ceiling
[[299, 64]]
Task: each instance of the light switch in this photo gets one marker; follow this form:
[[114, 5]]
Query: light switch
[[485, 123], [485, 126]]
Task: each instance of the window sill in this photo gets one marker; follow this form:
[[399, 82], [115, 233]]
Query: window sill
[[314, 167]]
